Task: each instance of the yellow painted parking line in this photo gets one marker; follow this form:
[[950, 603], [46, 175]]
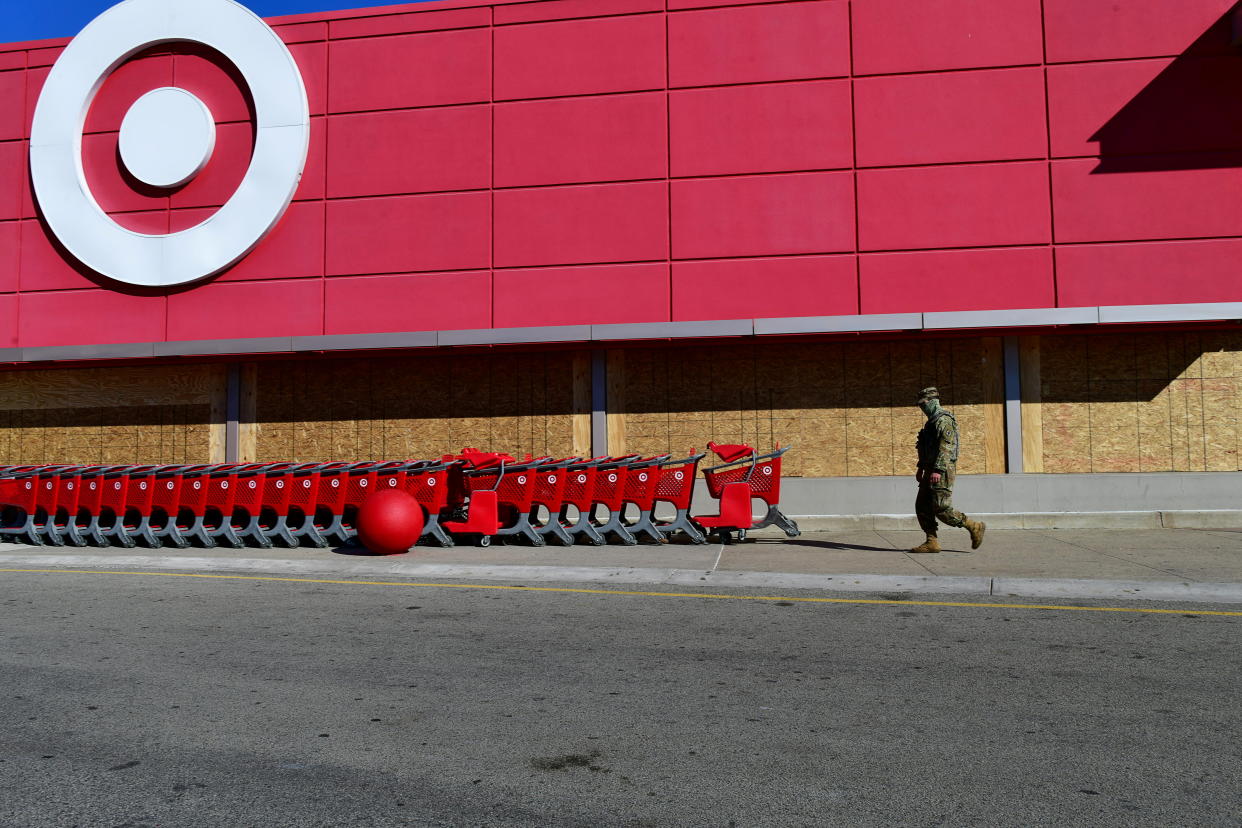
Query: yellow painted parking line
[[639, 593]]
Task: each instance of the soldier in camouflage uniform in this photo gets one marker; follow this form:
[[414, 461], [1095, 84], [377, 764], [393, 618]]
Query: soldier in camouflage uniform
[[938, 444]]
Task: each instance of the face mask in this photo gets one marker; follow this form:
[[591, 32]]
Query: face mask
[[929, 406]]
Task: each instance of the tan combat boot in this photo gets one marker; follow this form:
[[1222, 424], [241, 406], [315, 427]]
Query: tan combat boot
[[976, 528], [932, 544]]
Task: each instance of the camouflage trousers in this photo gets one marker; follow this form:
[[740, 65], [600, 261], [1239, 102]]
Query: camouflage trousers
[[936, 503]]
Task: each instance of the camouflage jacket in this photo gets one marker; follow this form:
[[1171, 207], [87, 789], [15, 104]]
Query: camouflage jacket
[[938, 442]]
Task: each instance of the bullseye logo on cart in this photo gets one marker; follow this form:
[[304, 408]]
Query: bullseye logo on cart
[[166, 139]]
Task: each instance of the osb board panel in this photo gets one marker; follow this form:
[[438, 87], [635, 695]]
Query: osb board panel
[[136, 414], [846, 408], [106, 434], [414, 407], [1032, 405], [994, 405], [582, 403], [126, 387], [614, 393], [1140, 402], [247, 436]]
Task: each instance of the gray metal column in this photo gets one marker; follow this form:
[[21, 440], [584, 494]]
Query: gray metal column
[[232, 413], [1013, 407], [599, 403]]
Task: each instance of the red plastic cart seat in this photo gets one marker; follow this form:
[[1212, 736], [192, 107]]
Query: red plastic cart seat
[[731, 451], [482, 518], [734, 509]]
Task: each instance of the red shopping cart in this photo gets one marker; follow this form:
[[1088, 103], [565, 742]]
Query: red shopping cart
[[742, 476], [433, 485], [551, 478], [579, 496], [676, 488], [501, 496], [609, 496], [641, 481]]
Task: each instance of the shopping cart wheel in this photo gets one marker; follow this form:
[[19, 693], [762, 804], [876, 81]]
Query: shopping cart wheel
[[485, 540], [725, 537], [741, 534]]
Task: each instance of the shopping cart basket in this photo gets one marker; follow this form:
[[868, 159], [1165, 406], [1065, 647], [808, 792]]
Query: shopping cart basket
[[641, 481], [676, 488], [579, 495]]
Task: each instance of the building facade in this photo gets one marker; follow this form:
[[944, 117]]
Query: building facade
[[588, 226]]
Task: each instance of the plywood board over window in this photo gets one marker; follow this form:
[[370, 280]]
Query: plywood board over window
[[847, 408], [1134, 402], [421, 406], [138, 414]]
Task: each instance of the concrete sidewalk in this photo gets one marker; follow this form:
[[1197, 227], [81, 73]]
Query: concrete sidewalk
[[1150, 564]]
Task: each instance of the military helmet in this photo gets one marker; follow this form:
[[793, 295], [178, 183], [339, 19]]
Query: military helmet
[[928, 394]]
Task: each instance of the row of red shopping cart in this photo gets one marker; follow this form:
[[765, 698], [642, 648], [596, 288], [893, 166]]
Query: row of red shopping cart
[[474, 495]]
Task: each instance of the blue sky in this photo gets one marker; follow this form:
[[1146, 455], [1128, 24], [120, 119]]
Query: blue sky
[[37, 19]]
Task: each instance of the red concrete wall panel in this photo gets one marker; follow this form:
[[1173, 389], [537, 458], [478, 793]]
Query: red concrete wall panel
[[1142, 107], [591, 224], [677, 5], [779, 127], [1150, 201], [599, 295], [226, 310], [1082, 97], [953, 206], [13, 174], [46, 266], [34, 85], [312, 60], [89, 317], [8, 321], [577, 140], [564, 182], [213, 80], [409, 234], [580, 57], [24, 185], [745, 44], [108, 181], [10, 240], [571, 9], [957, 280], [1080, 30], [45, 56], [421, 20], [956, 116], [910, 36], [12, 100], [410, 70], [763, 215], [128, 83], [292, 33], [1149, 273], [224, 172], [422, 302], [409, 151], [314, 174], [748, 288], [294, 249]]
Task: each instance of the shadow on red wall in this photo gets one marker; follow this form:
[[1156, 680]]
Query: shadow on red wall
[[1189, 116]]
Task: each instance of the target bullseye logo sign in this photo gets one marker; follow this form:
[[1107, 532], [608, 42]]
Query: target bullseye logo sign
[[167, 137]]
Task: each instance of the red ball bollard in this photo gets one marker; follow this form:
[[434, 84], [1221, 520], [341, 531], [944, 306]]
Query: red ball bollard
[[389, 522]]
